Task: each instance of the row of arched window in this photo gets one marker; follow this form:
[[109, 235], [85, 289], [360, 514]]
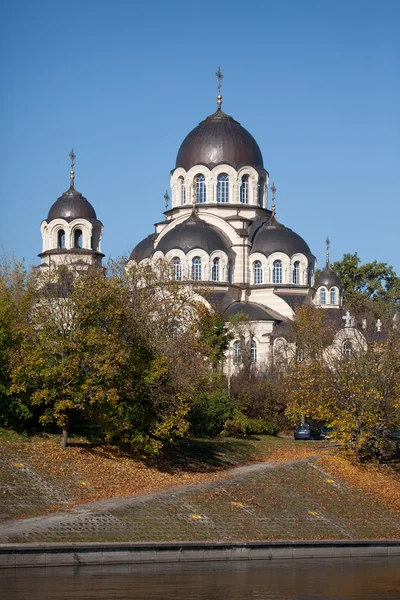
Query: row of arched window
[[78, 237], [237, 352], [333, 296], [258, 272], [196, 269], [222, 189]]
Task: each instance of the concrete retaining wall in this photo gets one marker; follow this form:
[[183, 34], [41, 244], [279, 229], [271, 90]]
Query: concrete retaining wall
[[52, 555]]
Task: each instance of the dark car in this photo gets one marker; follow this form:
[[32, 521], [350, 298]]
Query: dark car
[[303, 432], [325, 432]]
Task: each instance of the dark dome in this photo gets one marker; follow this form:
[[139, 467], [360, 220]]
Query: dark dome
[[219, 139], [143, 249], [275, 237], [194, 233], [328, 278], [71, 205]]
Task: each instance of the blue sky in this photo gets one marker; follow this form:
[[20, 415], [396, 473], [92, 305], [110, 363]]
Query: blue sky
[[316, 82]]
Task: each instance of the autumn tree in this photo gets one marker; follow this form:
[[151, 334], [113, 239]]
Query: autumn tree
[[114, 346], [357, 392]]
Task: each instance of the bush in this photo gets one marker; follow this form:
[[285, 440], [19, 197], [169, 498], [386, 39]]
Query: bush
[[209, 412], [241, 425]]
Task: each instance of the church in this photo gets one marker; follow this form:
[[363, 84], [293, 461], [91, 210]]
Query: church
[[220, 234]]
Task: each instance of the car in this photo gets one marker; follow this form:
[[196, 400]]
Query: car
[[325, 432], [303, 432]]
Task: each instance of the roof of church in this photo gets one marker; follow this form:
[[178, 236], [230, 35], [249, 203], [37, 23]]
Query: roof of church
[[71, 205], [143, 249], [272, 236], [327, 278], [194, 233], [219, 139], [254, 311]]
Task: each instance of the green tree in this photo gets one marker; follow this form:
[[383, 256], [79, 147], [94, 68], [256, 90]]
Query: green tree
[[371, 280], [16, 289], [114, 346]]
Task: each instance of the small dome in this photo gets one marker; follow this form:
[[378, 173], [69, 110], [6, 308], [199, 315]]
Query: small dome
[[71, 205], [194, 233], [327, 278], [275, 237], [143, 249], [216, 140]]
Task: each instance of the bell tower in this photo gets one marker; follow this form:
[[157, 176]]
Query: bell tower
[[71, 233]]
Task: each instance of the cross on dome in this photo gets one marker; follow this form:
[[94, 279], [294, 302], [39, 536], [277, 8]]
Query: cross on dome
[[219, 77], [72, 156]]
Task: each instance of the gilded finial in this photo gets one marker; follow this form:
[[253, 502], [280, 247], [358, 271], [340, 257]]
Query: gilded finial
[[273, 190], [219, 77], [327, 242], [166, 198], [72, 172]]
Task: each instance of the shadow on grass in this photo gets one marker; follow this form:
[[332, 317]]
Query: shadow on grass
[[199, 455], [194, 455]]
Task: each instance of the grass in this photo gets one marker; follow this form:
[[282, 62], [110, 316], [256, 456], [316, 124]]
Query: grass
[[38, 477], [325, 496]]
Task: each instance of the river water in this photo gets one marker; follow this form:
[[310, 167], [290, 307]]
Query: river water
[[334, 579]]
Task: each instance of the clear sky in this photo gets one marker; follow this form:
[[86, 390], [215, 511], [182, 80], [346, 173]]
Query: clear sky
[[316, 82]]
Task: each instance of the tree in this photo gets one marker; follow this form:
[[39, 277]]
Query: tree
[[16, 290], [213, 333], [371, 280], [357, 392], [114, 346]]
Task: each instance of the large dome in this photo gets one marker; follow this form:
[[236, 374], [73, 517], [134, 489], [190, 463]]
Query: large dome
[[71, 205], [275, 237], [194, 233], [216, 140]]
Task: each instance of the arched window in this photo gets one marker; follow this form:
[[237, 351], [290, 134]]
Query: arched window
[[333, 296], [261, 192], [257, 272], [61, 239], [244, 190], [182, 190], [200, 189], [196, 268], [223, 188], [296, 272], [177, 268], [253, 351], [277, 272], [347, 349], [322, 296], [237, 353], [78, 238], [215, 270]]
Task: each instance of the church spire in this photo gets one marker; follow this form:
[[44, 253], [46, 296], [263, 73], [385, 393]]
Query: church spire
[[328, 244], [72, 172], [219, 77]]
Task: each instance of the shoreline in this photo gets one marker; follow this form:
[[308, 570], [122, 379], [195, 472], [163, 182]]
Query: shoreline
[[99, 553]]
